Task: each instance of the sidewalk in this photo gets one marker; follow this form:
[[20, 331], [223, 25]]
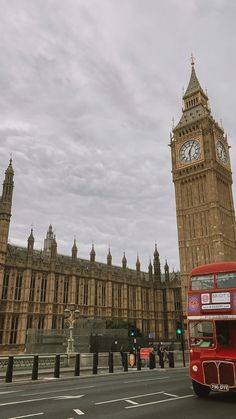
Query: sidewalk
[[67, 373]]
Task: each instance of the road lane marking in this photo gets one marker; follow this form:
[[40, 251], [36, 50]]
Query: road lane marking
[[131, 402], [26, 401], [69, 397], [159, 401], [172, 395], [8, 392], [141, 381], [125, 398], [79, 412], [30, 400], [57, 391], [27, 416]]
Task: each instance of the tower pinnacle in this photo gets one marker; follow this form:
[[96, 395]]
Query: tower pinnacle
[[192, 59]]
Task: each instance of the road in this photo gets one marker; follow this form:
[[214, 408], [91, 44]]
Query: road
[[137, 394]]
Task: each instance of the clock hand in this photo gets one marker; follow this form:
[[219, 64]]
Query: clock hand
[[189, 153]]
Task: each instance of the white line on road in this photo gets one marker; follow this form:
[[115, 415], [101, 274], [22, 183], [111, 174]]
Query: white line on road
[[58, 390], [160, 401], [26, 401], [69, 397], [30, 400], [27, 416], [171, 395], [131, 402], [132, 397], [148, 379], [79, 412], [8, 392]]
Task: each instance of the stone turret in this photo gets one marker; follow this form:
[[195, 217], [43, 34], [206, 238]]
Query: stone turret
[[92, 254], [5, 210], [48, 241], [30, 243], [54, 248], [167, 272], [138, 265], [124, 261], [156, 265], [74, 250], [109, 258], [150, 270]]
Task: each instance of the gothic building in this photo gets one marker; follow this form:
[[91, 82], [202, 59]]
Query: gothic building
[[37, 286], [203, 185]]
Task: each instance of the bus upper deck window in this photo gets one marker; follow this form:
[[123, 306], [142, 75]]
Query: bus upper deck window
[[226, 280], [202, 282]]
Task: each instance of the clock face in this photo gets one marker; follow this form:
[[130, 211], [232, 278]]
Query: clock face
[[189, 151], [221, 152]]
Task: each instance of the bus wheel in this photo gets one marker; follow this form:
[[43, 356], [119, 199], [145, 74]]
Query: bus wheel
[[200, 390]]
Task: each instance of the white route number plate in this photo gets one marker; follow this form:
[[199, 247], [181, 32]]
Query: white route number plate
[[219, 387]]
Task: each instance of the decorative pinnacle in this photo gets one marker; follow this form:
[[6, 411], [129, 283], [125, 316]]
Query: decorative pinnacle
[[192, 60]]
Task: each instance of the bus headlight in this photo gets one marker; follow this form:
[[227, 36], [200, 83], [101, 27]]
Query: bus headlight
[[195, 368]]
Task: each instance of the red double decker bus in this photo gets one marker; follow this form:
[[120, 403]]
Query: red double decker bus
[[212, 327]]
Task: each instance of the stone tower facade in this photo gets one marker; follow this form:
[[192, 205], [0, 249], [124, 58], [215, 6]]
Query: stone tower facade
[[203, 184]]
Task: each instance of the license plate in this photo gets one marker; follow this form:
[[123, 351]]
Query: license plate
[[219, 387]]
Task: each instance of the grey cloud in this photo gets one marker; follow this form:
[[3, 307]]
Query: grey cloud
[[88, 91]]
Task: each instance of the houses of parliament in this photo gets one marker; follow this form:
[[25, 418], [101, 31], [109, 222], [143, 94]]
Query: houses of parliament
[[36, 286]]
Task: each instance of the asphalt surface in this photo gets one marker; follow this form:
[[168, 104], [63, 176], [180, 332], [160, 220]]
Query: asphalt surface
[[137, 394]]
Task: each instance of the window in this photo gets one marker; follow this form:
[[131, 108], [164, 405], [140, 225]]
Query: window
[[95, 294], [18, 286], [113, 296], [202, 282], [201, 334], [29, 321], [103, 294], [77, 292], [41, 322], [54, 321], [226, 280], [85, 292], [134, 297], [14, 328], [32, 287], [2, 322], [56, 287], [177, 299], [222, 333], [5, 285], [66, 289], [119, 295], [43, 288]]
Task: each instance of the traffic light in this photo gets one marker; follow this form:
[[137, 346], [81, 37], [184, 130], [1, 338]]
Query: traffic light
[[178, 328], [132, 332]]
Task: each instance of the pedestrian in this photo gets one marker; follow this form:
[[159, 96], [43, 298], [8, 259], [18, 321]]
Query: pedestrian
[[122, 354]]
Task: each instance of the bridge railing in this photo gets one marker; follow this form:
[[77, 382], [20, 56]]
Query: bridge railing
[[87, 362]]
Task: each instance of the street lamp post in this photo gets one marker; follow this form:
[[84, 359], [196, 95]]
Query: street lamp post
[[71, 316]]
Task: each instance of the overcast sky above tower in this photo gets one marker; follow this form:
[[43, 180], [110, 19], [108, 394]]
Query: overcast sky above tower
[[88, 92]]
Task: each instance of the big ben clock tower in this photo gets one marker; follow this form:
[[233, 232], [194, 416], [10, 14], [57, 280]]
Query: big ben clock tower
[[203, 184]]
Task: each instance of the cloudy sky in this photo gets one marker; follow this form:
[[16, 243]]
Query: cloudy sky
[[88, 90]]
